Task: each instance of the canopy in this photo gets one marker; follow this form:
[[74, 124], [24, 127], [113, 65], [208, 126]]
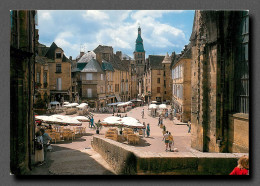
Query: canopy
[[152, 106], [124, 104], [71, 105], [125, 121], [82, 105], [60, 119], [82, 118], [54, 103], [113, 104], [66, 103], [162, 106], [135, 100], [154, 101]]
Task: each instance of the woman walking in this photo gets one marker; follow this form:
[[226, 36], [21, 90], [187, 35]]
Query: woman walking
[[166, 140], [39, 153], [171, 142], [144, 129]]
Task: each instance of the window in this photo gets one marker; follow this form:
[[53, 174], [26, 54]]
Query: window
[[102, 77], [38, 77], [158, 80], [101, 90], [164, 83], [58, 68], [158, 89], [111, 76], [58, 55], [58, 84], [241, 76], [89, 93], [89, 76], [108, 90], [45, 77], [111, 88]]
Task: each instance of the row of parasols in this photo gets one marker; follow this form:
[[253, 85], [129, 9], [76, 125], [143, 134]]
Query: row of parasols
[[62, 120], [154, 106], [125, 122]]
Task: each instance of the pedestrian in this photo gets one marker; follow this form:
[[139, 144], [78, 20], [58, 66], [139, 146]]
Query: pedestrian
[[148, 130], [159, 121], [143, 113], [46, 139], [171, 141], [242, 167], [39, 153], [164, 128], [166, 140], [144, 129], [91, 122], [166, 114], [189, 125]]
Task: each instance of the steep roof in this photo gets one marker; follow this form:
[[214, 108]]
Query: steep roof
[[51, 53], [79, 67], [92, 66], [156, 62], [87, 57], [167, 59], [106, 66], [103, 49]]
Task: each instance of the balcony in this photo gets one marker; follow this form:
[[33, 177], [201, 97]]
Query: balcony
[[90, 82]]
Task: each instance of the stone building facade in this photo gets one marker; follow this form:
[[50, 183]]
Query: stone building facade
[[59, 73], [157, 78], [181, 84], [220, 81], [22, 58]]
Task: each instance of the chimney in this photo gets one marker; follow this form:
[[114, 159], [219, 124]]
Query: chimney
[[119, 54], [82, 53], [99, 58]]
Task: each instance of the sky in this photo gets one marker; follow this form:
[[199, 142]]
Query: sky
[[75, 30]]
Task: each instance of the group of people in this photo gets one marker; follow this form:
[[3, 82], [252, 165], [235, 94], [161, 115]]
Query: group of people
[[160, 121], [146, 129], [41, 146], [168, 140]]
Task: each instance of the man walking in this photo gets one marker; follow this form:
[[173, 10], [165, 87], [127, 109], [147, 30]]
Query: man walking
[[148, 130], [143, 113], [46, 139]]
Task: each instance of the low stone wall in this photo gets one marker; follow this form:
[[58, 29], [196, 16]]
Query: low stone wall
[[126, 159]]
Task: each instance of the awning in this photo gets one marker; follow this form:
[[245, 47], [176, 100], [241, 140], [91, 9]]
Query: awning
[[118, 97]]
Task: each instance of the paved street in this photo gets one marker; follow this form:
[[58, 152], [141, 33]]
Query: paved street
[[77, 157]]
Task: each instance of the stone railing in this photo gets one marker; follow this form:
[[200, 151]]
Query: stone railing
[[126, 159]]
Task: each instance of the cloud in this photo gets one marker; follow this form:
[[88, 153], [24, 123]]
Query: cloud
[[116, 28], [95, 15]]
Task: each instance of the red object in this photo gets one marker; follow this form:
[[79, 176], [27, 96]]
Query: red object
[[239, 171]]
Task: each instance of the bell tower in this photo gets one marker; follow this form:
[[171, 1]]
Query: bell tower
[[139, 56]]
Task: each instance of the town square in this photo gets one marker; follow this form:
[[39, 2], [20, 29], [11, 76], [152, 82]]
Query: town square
[[122, 92]]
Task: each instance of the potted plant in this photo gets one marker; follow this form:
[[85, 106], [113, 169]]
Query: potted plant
[[98, 127]]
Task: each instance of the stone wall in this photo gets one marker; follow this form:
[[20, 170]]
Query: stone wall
[[238, 140], [125, 159]]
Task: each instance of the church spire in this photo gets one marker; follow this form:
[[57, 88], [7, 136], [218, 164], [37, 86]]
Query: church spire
[[139, 47]]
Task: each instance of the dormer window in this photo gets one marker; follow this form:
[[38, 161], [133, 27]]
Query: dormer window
[[58, 55]]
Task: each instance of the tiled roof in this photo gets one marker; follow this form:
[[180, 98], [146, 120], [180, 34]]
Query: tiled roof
[[106, 66], [87, 57], [156, 62], [51, 52], [92, 66]]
